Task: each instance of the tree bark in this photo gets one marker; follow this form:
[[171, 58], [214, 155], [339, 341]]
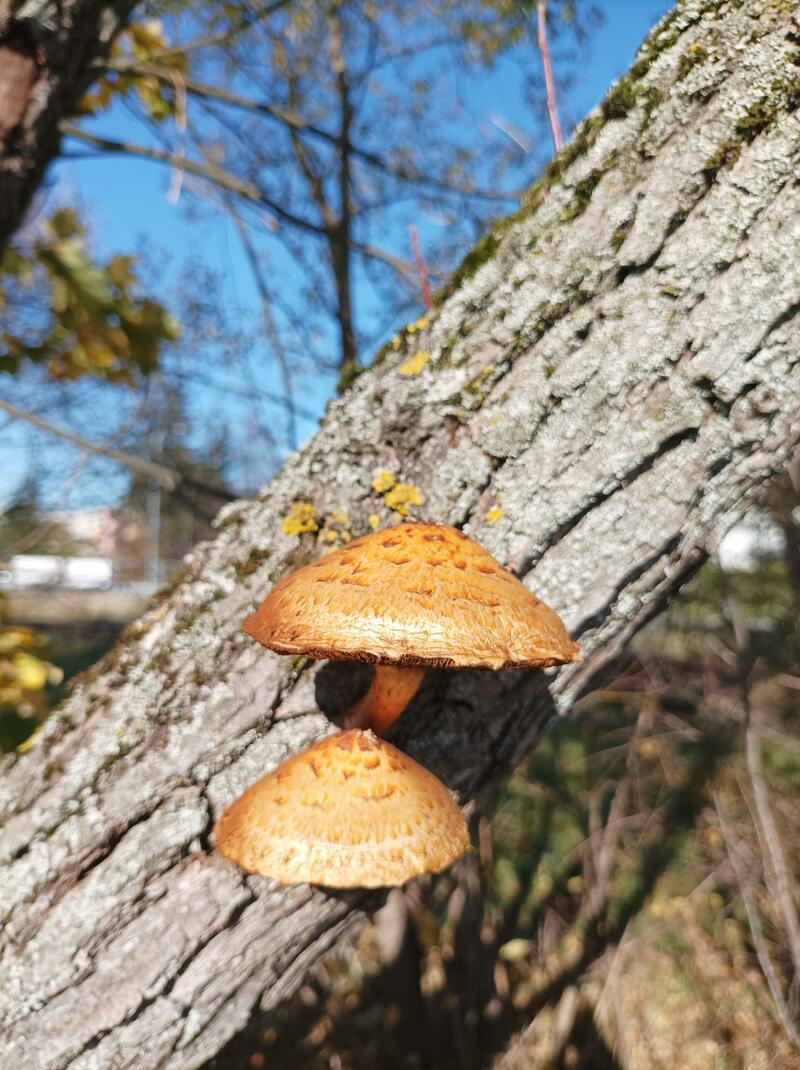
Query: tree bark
[[603, 396], [46, 54]]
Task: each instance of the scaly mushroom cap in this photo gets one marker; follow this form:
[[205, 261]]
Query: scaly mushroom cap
[[349, 812], [417, 594]]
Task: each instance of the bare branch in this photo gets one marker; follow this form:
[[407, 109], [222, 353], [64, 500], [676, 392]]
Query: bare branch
[[549, 81], [210, 171], [270, 326], [754, 920], [246, 190], [168, 477], [294, 121], [770, 836]]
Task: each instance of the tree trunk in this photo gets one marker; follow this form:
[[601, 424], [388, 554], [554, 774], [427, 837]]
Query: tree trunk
[[603, 395], [46, 55]]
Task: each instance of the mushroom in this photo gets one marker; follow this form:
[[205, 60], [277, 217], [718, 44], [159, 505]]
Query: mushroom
[[351, 811], [406, 598]]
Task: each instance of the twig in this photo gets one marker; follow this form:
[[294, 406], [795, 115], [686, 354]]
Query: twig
[[225, 180], [239, 391], [764, 821], [168, 477], [270, 327], [176, 179], [770, 835], [211, 172], [422, 269], [549, 81], [754, 921], [293, 120]]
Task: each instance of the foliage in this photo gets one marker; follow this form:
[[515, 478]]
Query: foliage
[[96, 322], [145, 43], [316, 127], [24, 674]]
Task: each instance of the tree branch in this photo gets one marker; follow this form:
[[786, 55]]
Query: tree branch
[[168, 477], [47, 55], [294, 121], [226, 181]]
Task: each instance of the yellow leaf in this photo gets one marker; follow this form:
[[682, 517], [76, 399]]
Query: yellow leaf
[[15, 636], [31, 672], [514, 950]]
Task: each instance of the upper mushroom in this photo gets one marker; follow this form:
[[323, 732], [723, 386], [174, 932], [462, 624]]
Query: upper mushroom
[[416, 595]]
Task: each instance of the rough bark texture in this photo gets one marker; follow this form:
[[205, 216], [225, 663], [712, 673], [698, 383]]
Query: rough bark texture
[[46, 52], [619, 377]]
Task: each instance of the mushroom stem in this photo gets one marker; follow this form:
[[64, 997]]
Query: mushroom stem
[[392, 688]]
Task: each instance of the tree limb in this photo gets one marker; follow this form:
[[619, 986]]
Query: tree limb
[[294, 121], [169, 478], [227, 181], [47, 57], [609, 386]]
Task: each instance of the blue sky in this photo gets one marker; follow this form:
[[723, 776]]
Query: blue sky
[[126, 200]]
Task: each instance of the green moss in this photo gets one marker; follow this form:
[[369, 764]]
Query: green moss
[[620, 234], [694, 55], [790, 91], [483, 251], [763, 114], [760, 116], [583, 191], [251, 563], [580, 143], [651, 98], [620, 99], [348, 374], [617, 104], [725, 156]]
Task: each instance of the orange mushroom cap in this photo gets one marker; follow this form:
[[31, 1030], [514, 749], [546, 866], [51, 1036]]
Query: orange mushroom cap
[[417, 594], [349, 812]]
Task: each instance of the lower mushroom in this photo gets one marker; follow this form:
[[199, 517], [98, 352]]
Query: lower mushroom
[[350, 812]]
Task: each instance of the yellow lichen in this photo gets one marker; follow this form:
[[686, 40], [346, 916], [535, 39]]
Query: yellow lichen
[[419, 325], [374, 521], [493, 515], [302, 517], [383, 481], [414, 364], [401, 496]]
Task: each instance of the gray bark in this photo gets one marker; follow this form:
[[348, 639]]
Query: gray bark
[[619, 377], [46, 54]]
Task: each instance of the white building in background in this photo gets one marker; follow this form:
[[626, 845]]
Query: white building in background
[[26, 571]]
